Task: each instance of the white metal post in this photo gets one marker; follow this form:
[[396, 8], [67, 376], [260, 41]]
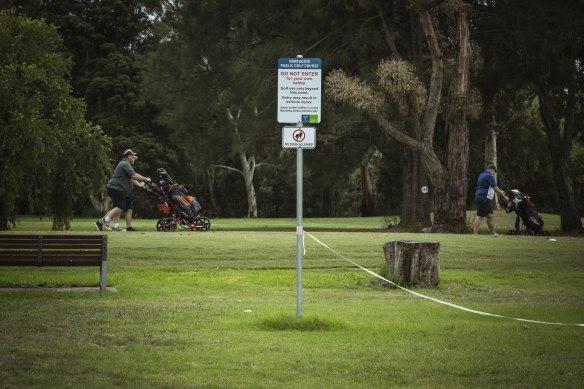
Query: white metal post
[[299, 233]]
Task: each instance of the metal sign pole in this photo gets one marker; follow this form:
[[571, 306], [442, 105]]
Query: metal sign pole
[[299, 232]]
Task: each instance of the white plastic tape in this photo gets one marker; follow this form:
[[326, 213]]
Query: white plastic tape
[[300, 232], [432, 298]]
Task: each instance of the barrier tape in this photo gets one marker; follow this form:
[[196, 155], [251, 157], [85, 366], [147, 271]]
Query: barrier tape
[[435, 299]]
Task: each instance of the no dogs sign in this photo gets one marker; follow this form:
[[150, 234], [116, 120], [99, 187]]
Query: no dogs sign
[[298, 137]]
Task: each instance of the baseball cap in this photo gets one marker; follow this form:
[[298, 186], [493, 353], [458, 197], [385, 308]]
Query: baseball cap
[[129, 151], [492, 166]]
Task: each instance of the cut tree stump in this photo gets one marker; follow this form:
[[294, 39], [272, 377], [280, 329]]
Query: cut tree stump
[[413, 263]]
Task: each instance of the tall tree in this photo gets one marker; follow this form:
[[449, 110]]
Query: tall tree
[[398, 79], [48, 152]]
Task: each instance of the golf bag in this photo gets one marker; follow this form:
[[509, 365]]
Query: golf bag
[[174, 201], [527, 221], [188, 206]]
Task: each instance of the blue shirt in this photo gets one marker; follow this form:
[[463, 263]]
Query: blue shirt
[[485, 182]]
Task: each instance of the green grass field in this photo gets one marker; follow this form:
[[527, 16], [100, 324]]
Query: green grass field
[[217, 309]]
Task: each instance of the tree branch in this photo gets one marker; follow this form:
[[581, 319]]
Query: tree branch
[[230, 168], [437, 77], [386, 33]]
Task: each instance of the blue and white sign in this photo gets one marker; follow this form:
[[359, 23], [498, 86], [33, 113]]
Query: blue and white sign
[[299, 90]]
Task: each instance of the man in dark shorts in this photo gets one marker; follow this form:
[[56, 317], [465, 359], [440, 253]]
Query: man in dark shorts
[[485, 192], [119, 189]]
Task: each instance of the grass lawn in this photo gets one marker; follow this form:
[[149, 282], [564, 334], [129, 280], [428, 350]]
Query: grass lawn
[[217, 309]]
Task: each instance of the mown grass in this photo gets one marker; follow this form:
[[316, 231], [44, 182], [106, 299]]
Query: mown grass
[[217, 310]]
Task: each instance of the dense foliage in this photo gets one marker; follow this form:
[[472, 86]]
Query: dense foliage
[[49, 154], [191, 85]]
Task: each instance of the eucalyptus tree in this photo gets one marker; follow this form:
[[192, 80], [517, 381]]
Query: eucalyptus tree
[[403, 94], [49, 153]]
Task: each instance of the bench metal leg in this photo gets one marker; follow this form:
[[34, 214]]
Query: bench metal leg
[[103, 276]]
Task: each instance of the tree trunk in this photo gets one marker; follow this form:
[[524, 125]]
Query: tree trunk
[[101, 202], [491, 153], [413, 263], [415, 204], [491, 146], [247, 166], [210, 175], [560, 144], [367, 197], [451, 205]]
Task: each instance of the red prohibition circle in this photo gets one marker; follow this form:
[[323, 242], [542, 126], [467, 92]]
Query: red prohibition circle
[[298, 135]]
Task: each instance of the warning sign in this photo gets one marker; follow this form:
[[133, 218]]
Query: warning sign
[[298, 137], [299, 90]]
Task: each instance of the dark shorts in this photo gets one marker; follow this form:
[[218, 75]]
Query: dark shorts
[[120, 200], [484, 206]]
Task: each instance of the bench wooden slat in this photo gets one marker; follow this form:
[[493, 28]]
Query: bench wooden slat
[[20, 262], [72, 255], [64, 246], [50, 237], [57, 251], [72, 262]]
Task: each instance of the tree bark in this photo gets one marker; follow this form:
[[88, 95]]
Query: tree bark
[[491, 153], [101, 202], [450, 187], [451, 205], [415, 204], [248, 166], [210, 176], [413, 263], [367, 197]]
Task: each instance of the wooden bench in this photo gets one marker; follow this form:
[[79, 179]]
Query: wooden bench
[[55, 250]]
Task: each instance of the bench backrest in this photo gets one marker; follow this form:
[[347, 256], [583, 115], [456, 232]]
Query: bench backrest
[[52, 250]]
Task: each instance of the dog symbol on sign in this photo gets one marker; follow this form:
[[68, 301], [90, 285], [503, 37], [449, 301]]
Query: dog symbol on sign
[[298, 135]]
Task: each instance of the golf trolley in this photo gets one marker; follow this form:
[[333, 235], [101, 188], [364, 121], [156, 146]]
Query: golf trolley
[[174, 201]]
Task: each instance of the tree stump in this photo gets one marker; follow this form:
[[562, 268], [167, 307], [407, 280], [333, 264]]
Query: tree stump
[[413, 263]]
